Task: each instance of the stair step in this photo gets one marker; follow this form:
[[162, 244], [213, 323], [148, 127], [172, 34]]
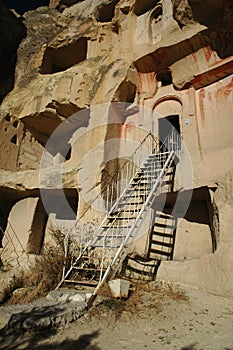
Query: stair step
[[165, 216], [121, 217], [149, 172], [161, 221], [144, 180], [87, 269], [166, 226], [142, 186], [119, 226], [151, 175], [165, 244], [159, 252], [91, 257], [147, 167], [165, 235], [107, 245], [127, 210], [134, 203], [133, 194], [86, 283], [110, 236]]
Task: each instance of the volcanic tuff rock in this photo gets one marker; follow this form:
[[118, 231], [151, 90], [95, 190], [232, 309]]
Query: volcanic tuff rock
[[159, 59]]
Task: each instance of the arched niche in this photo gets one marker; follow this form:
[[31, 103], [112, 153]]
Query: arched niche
[[156, 23]]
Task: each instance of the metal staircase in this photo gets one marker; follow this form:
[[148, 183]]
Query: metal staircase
[[99, 244]]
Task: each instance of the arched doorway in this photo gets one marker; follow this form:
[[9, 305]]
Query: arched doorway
[[166, 123]]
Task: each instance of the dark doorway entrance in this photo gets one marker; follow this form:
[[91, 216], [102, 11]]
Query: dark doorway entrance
[[169, 133]]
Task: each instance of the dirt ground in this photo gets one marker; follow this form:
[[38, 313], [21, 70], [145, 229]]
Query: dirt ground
[[154, 317]]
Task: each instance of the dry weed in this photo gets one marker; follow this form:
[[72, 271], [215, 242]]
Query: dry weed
[[42, 277], [151, 296]]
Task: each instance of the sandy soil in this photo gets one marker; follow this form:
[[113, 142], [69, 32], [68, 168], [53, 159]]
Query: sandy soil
[[152, 318]]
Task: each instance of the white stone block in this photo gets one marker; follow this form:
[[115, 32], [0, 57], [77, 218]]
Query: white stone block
[[119, 288]]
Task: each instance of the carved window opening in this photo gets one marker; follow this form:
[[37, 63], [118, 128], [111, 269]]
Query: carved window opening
[[14, 140], [60, 59], [106, 12], [7, 118], [15, 124], [164, 76]]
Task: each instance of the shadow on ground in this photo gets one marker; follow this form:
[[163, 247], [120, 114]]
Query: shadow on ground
[[193, 347], [33, 341], [31, 329]]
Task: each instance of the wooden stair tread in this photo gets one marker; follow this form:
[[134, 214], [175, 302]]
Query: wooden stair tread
[[87, 283], [165, 235], [159, 252], [165, 244]]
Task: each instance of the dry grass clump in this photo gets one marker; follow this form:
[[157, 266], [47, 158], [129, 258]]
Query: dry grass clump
[[15, 283], [152, 296], [42, 277]]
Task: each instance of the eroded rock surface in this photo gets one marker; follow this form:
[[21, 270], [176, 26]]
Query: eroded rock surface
[[155, 59]]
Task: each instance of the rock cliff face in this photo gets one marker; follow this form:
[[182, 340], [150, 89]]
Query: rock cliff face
[[12, 32], [63, 68]]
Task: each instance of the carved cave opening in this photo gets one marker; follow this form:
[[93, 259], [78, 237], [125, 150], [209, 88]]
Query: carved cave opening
[[15, 124], [164, 76], [59, 210], [14, 140], [62, 205], [124, 100], [9, 198], [7, 118], [106, 12], [59, 59], [195, 232], [22, 6], [144, 6], [36, 237]]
